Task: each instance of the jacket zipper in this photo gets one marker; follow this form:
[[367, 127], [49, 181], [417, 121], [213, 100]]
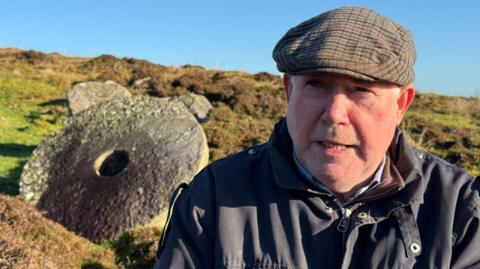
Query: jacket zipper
[[345, 221]]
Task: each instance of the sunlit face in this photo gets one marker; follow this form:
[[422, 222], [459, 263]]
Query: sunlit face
[[341, 127]]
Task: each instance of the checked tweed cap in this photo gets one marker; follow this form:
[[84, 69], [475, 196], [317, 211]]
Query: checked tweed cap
[[352, 41]]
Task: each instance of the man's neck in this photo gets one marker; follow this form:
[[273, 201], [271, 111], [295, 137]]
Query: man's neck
[[343, 197]]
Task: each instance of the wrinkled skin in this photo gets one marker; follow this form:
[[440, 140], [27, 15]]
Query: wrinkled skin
[[341, 127]]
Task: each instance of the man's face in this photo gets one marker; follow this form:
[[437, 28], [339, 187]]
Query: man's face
[[341, 127]]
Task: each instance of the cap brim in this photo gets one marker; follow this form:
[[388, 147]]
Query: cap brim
[[334, 71]]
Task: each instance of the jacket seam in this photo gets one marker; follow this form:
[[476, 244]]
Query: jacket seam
[[254, 265]]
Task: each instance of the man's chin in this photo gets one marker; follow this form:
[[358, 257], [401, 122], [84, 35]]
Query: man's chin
[[333, 174]]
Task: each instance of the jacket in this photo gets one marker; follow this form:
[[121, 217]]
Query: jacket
[[252, 210]]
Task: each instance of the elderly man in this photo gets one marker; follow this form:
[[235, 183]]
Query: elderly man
[[337, 185]]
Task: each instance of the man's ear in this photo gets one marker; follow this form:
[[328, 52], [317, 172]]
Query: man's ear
[[405, 98], [287, 83]]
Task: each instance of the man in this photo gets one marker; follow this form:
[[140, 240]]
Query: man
[[337, 185]]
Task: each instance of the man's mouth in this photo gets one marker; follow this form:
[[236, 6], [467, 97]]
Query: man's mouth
[[335, 145]]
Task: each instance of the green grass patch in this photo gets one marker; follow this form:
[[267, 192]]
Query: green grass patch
[[30, 108], [451, 120]]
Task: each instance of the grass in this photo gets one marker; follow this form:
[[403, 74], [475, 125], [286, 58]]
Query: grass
[[27, 115], [448, 127], [451, 120]]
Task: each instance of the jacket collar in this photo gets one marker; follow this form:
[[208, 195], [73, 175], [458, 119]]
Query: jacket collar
[[404, 163], [402, 171], [280, 149]]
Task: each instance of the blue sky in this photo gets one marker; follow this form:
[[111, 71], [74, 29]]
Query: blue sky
[[239, 35]]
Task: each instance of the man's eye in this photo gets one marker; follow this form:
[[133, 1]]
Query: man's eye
[[312, 83], [361, 89], [315, 83]]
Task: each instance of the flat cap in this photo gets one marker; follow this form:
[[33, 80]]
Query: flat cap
[[352, 41]]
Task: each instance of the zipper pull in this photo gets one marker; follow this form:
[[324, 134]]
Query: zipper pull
[[343, 225], [346, 213]]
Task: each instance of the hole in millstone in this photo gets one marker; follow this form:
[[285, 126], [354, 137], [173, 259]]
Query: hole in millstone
[[111, 163]]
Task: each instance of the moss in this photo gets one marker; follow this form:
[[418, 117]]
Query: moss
[[136, 248]]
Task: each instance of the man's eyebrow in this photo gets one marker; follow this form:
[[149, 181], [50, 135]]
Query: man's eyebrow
[[364, 82], [367, 83]]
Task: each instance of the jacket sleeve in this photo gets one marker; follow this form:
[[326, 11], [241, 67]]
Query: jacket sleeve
[[467, 230], [189, 241]]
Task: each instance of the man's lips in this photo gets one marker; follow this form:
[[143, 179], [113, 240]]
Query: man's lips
[[335, 145]]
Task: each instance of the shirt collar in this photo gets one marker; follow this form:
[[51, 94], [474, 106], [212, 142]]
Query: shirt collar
[[313, 182]]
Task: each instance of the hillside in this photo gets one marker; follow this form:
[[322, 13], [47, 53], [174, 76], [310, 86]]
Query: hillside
[[33, 88], [26, 233]]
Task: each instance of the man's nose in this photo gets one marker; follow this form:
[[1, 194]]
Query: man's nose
[[335, 109]]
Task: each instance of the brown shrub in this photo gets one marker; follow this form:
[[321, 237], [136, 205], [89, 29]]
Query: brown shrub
[[267, 77], [196, 80], [34, 57], [228, 132], [141, 69], [475, 108], [160, 87], [99, 63], [108, 67]]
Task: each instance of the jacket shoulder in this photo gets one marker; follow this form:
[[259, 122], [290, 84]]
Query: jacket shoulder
[[461, 187], [430, 163], [239, 163], [247, 155]]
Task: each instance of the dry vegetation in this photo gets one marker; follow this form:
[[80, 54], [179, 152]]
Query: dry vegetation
[[33, 87], [28, 240]]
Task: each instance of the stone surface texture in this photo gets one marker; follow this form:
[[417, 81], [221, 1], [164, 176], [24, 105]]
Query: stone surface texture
[[86, 94], [198, 105], [161, 145]]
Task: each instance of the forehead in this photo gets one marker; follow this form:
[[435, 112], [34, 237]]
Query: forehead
[[343, 79]]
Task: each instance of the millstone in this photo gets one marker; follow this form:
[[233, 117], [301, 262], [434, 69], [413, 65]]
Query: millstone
[[114, 166], [86, 94]]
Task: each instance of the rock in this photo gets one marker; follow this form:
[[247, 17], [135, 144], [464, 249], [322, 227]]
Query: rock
[[141, 83], [198, 105], [86, 94], [114, 166]]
